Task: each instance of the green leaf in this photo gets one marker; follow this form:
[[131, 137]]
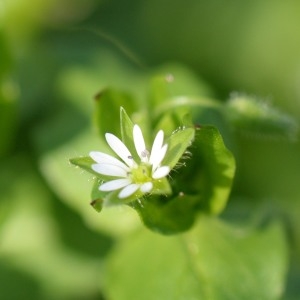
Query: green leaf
[[213, 261], [257, 117], [209, 172], [167, 215], [86, 163], [218, 168]]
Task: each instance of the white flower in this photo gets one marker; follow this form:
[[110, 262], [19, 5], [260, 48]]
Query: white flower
[[130, 175]]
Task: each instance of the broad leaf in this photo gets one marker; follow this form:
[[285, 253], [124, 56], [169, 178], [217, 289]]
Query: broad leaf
[[214, 261]]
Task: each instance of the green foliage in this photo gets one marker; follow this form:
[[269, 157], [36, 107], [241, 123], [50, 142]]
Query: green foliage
[[177, 144], [218, 166], [201, 185], [227, 238], [212, 261]]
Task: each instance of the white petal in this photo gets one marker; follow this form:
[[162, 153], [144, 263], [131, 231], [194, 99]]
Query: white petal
[[119, 148], [103, 158], [157, 145], [139, 143], [161, 172], [110, 170], [129, 190], [146, 187], [158, 157], [114, 184]]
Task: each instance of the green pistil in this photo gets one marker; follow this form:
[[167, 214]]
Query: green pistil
[[141, 174]]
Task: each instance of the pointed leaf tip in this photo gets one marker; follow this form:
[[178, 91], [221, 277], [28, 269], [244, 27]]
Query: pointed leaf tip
[[97, 204]]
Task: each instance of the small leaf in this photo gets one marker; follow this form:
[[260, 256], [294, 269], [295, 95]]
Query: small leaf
[[112, 198]]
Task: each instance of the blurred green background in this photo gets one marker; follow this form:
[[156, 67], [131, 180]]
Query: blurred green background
[[55, 56]]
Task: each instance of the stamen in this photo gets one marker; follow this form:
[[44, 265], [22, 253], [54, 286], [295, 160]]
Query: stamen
[[145, 153]]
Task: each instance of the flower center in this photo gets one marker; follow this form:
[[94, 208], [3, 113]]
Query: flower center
[[141, 174]]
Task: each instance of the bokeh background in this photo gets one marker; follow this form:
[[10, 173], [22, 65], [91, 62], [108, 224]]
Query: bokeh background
[[55, 56]]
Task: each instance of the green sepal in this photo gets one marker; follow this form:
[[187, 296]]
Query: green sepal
[[127, 133], [101, 199], [97, 196], [178, 142], [161, 187], [112, 198], [86, 163]]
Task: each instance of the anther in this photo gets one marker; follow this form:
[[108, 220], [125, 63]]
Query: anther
[[145, 153]]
